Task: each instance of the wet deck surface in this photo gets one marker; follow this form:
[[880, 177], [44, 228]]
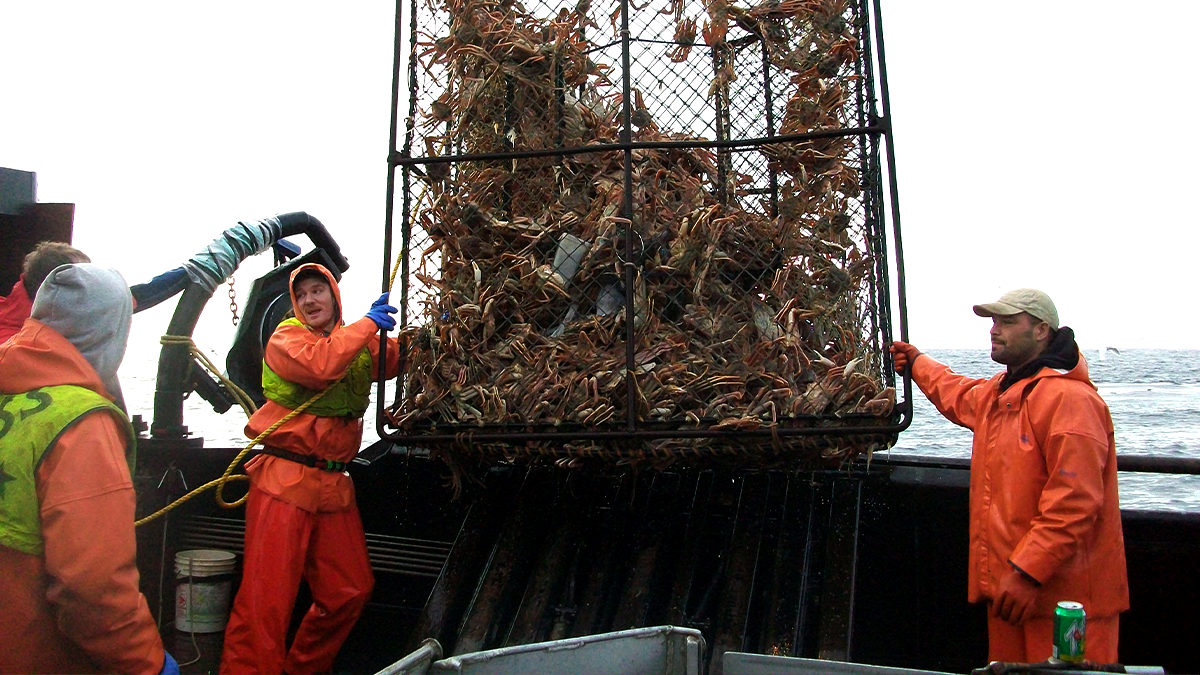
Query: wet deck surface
[[371, 646], [597, 546]]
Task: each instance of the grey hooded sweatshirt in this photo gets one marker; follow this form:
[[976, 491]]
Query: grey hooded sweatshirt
[[89, 305]]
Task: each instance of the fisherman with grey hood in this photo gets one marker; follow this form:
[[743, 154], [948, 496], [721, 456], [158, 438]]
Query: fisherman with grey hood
[[67, 546], [92, 308]]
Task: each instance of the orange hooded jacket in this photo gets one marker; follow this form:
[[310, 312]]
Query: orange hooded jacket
[[76, 608], [1043, 484], [14, 309], [308, 357]]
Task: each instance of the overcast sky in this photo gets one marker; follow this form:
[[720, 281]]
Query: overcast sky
[[1038, 143]]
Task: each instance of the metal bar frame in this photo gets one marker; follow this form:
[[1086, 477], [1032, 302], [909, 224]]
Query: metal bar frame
[[879, 128]]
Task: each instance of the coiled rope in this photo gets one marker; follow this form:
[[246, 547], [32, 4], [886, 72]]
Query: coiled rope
[[248, 406]]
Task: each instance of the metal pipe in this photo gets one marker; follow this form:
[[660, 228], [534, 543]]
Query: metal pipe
[[1151, 464], [858, 485], [1161, 464], [396, 158], [389, 210], [770, 106], [393, 136], [629, 267], [419, 660], [879, 307], [720, 112], [466, 435], [894, 189], [736, 42]]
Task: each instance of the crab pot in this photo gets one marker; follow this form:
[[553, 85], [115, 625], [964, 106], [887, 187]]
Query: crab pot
[[642, 231]]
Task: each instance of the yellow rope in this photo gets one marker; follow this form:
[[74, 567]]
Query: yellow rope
[[395, 268], [413, 218], [248, 406], [400, 255], [228, 476], [243, 399]]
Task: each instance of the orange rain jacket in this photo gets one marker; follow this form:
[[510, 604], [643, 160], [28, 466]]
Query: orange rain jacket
[[307, 357], [1043, 484], [14, 309], [76, 608]]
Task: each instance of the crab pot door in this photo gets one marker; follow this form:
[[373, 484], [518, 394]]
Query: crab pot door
[[641, 230]]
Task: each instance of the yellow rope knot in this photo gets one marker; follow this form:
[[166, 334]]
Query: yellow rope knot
[[248, 406]]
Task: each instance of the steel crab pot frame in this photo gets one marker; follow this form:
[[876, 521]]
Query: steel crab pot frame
[[643, 231]]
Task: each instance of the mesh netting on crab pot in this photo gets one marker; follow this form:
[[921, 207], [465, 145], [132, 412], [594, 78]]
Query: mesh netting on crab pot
[[643, 231]]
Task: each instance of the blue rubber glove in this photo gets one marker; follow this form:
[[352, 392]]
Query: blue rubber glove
[[170, 666], [381, 313]]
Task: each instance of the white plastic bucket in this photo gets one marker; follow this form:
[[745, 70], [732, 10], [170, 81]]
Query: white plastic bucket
[[204, 582]]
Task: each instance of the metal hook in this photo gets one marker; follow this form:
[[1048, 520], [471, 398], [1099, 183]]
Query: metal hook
[[166, 473]]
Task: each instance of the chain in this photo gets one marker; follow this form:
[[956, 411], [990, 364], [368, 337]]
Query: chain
[[233, 306]]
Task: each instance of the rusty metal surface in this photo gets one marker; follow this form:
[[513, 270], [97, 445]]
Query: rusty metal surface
[[739, 556], [451, 592], [546, 582], [488, 618], [841, 564], [733, 598], [778, 633]]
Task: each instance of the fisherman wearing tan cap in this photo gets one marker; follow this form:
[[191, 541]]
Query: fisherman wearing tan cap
[[1045, 520]]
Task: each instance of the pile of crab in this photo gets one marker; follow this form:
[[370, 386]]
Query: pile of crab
[[562, 292]]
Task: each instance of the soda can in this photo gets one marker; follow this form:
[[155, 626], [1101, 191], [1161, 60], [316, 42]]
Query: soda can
[[1070, 626]]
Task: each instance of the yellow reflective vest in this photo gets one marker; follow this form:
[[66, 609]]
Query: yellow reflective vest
[[30, 424], [348, 397]]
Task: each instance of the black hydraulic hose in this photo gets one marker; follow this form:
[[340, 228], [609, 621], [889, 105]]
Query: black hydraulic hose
[[174, 361], [299, 222]]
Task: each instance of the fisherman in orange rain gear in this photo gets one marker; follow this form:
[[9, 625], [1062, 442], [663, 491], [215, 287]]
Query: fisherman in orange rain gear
[[301, 517], [1045, 521], [69, 599]]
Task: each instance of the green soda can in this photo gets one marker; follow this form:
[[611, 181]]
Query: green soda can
[[1070, 624]]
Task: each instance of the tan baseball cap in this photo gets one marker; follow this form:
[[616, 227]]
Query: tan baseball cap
[[1029, 300]]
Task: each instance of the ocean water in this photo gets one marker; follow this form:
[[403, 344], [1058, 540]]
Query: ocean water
[[1154, 397]]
